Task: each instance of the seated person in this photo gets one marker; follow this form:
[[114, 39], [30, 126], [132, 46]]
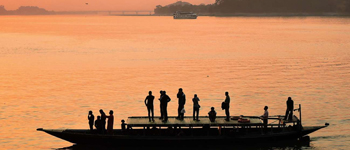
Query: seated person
[[98, 124], [212, 115]]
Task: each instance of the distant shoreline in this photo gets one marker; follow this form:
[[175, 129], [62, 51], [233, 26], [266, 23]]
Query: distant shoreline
[[208, 15]]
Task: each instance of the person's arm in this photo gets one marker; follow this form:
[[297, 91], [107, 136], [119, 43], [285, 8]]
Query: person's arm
[[146, 101], [169, 99], [184, 99]]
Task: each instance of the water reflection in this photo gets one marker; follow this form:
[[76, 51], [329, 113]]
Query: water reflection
[[278, 145]]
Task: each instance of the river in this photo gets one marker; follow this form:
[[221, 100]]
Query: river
[[54, 69]]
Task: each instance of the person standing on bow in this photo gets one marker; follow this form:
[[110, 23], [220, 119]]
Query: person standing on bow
[[149, 103], [227, 106], [182, 100], [290, 108]]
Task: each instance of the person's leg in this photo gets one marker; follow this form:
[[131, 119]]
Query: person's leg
[[227, 112], [149, 116], [286, 116], [194, 113], [165, 113], [291, 115], [152, 111], [197, 113], [91, 127], [161, 112], [265, 125]]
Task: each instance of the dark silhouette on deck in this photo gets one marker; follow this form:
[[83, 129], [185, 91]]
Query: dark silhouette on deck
[[265, 117], [160, 105], [212, 114], [98, 124], [182, 101], [110, 122], [196, 107], [103, 121], [149, 104], [91, 119], [164, 104], [227, 106], [290, 109]]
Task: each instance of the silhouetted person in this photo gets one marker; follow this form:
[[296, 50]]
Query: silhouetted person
[[212, 115], [103, 121], [149, 103], [227, 106], [110, 122], [195, 107], [161, 108], [98, 124], [164, 102], [91, 119], [265, 117], [123, 125], [290, 108], [182, 100]]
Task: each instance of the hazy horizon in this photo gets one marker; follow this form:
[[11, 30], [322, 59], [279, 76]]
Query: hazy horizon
[[92, 5]]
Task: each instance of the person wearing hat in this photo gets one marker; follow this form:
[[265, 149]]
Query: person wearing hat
[[290, 108]]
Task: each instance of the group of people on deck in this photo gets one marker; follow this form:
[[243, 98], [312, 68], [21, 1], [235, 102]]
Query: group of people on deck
[[100, 122], [164, 99]]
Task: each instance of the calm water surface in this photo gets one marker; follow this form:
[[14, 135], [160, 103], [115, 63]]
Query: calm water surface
[[54, 69]]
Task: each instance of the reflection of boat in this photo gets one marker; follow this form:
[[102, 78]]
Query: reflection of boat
[[184, 15], [139, 131]]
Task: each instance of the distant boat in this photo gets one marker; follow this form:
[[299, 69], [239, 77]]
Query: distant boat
[[139, 131], [184, 15]]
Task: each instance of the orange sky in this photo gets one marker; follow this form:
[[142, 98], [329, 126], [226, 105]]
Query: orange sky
[[79, 5]]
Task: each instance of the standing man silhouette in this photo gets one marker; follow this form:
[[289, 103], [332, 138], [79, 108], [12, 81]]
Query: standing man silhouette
[[196, 107], [182, 100], [103, 121], [91, 118], [290, 108], [227, 106], [149, 103], [164, 102], [161, 108]]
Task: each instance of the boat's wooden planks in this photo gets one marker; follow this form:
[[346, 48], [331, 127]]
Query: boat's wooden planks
[[188, 121]]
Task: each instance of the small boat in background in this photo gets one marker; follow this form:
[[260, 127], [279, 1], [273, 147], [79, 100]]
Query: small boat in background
[[184, 15]]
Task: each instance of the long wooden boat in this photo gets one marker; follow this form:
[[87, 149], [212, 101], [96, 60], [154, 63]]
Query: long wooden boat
[[139, 131]]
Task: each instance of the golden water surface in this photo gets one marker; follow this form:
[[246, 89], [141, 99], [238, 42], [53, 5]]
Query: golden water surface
[[54, 69]]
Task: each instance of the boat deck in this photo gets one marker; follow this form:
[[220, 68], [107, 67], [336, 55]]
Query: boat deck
[[142, 121], [188, 121]]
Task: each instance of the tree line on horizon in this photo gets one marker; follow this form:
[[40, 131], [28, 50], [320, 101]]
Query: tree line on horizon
[[222, 7], [24, 10]]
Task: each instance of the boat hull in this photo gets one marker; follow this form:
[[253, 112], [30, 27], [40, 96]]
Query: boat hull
[[86, 138]]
